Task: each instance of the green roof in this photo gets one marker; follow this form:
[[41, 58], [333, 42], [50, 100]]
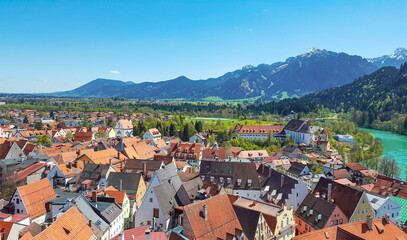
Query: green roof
[[403, 207]]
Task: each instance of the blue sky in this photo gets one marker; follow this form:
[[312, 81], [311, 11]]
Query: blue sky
[[50, 46]]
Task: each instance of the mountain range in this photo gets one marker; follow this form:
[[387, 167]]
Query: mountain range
[[310, 72], [383, 91]]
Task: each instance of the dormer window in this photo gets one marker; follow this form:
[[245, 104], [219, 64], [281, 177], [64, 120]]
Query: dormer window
[[221, 179], [239, 182], [212, 178], [229, 180], [249, 182]]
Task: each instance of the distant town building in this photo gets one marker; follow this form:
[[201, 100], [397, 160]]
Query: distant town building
[[253, 132]]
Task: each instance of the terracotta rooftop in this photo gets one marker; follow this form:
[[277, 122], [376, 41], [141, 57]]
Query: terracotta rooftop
[[70, 225], [35, 195], [381, 229], [221, 221]]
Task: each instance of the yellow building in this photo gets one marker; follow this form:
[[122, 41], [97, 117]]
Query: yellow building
[[362, 210]]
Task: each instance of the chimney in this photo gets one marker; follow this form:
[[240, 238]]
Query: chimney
[[369, 222], [387, 218], [269, 172], [282, 180], [90, 223], [110, 161], [94, 196], [121, 236], [329, 192], [120, 184], [147, 234], [205, 211], [144, 168]]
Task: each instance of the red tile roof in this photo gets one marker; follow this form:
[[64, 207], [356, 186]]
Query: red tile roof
[[221, 219], [139, 233], [356, 166], [5, 228], [261, 129], [35, 195], [21, 175], [358, 230], [70, 225]]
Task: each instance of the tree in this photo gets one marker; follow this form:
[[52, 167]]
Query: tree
[[51, 114], [187, 133], [173, 130], [43, 140], [85, 122], [210, 141], [101, 134], [198, 126], [25, 119], [38, 126], [69, 135], [389, 167]]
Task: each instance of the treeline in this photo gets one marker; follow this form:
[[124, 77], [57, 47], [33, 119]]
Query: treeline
[[376, 101]]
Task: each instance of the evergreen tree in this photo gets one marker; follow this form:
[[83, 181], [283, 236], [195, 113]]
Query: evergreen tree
[[38, 126], [85, 122], [198, 126], [25, 119], [51, 114], [187, 133], [173, 131]]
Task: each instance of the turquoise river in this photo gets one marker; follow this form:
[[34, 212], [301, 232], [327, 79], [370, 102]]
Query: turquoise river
[[394, 145]]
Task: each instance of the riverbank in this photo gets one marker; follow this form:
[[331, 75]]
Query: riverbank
[[394, 145]]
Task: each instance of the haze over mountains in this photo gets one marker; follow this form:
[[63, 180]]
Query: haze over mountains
[[310, 72]]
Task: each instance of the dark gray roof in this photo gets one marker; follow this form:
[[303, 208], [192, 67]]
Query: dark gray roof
[[274, 185], [244, 171], [345, 197], [296, 168], [248, 219], [87, 210], [290, 148], [107, 208], [165, 194], [321, 211], [188, 191], [130, 181], [294, 125], [305, 129], [169, 172], [92, 172]]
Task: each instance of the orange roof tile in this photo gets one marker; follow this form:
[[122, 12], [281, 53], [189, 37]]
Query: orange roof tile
[[70, 225], [221, 219], [35, 195]]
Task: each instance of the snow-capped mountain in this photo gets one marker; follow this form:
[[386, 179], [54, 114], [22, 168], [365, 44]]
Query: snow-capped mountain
[[395, 59]]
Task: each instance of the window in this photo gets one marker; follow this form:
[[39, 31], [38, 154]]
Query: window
[[18, 210], [148, 222], [299, 222], [306, 227], [336, 222], [340, 221], [156, 212], [151, 199], [332, 223]]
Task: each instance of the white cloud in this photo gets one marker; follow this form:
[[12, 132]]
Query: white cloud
[[115, 72]]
